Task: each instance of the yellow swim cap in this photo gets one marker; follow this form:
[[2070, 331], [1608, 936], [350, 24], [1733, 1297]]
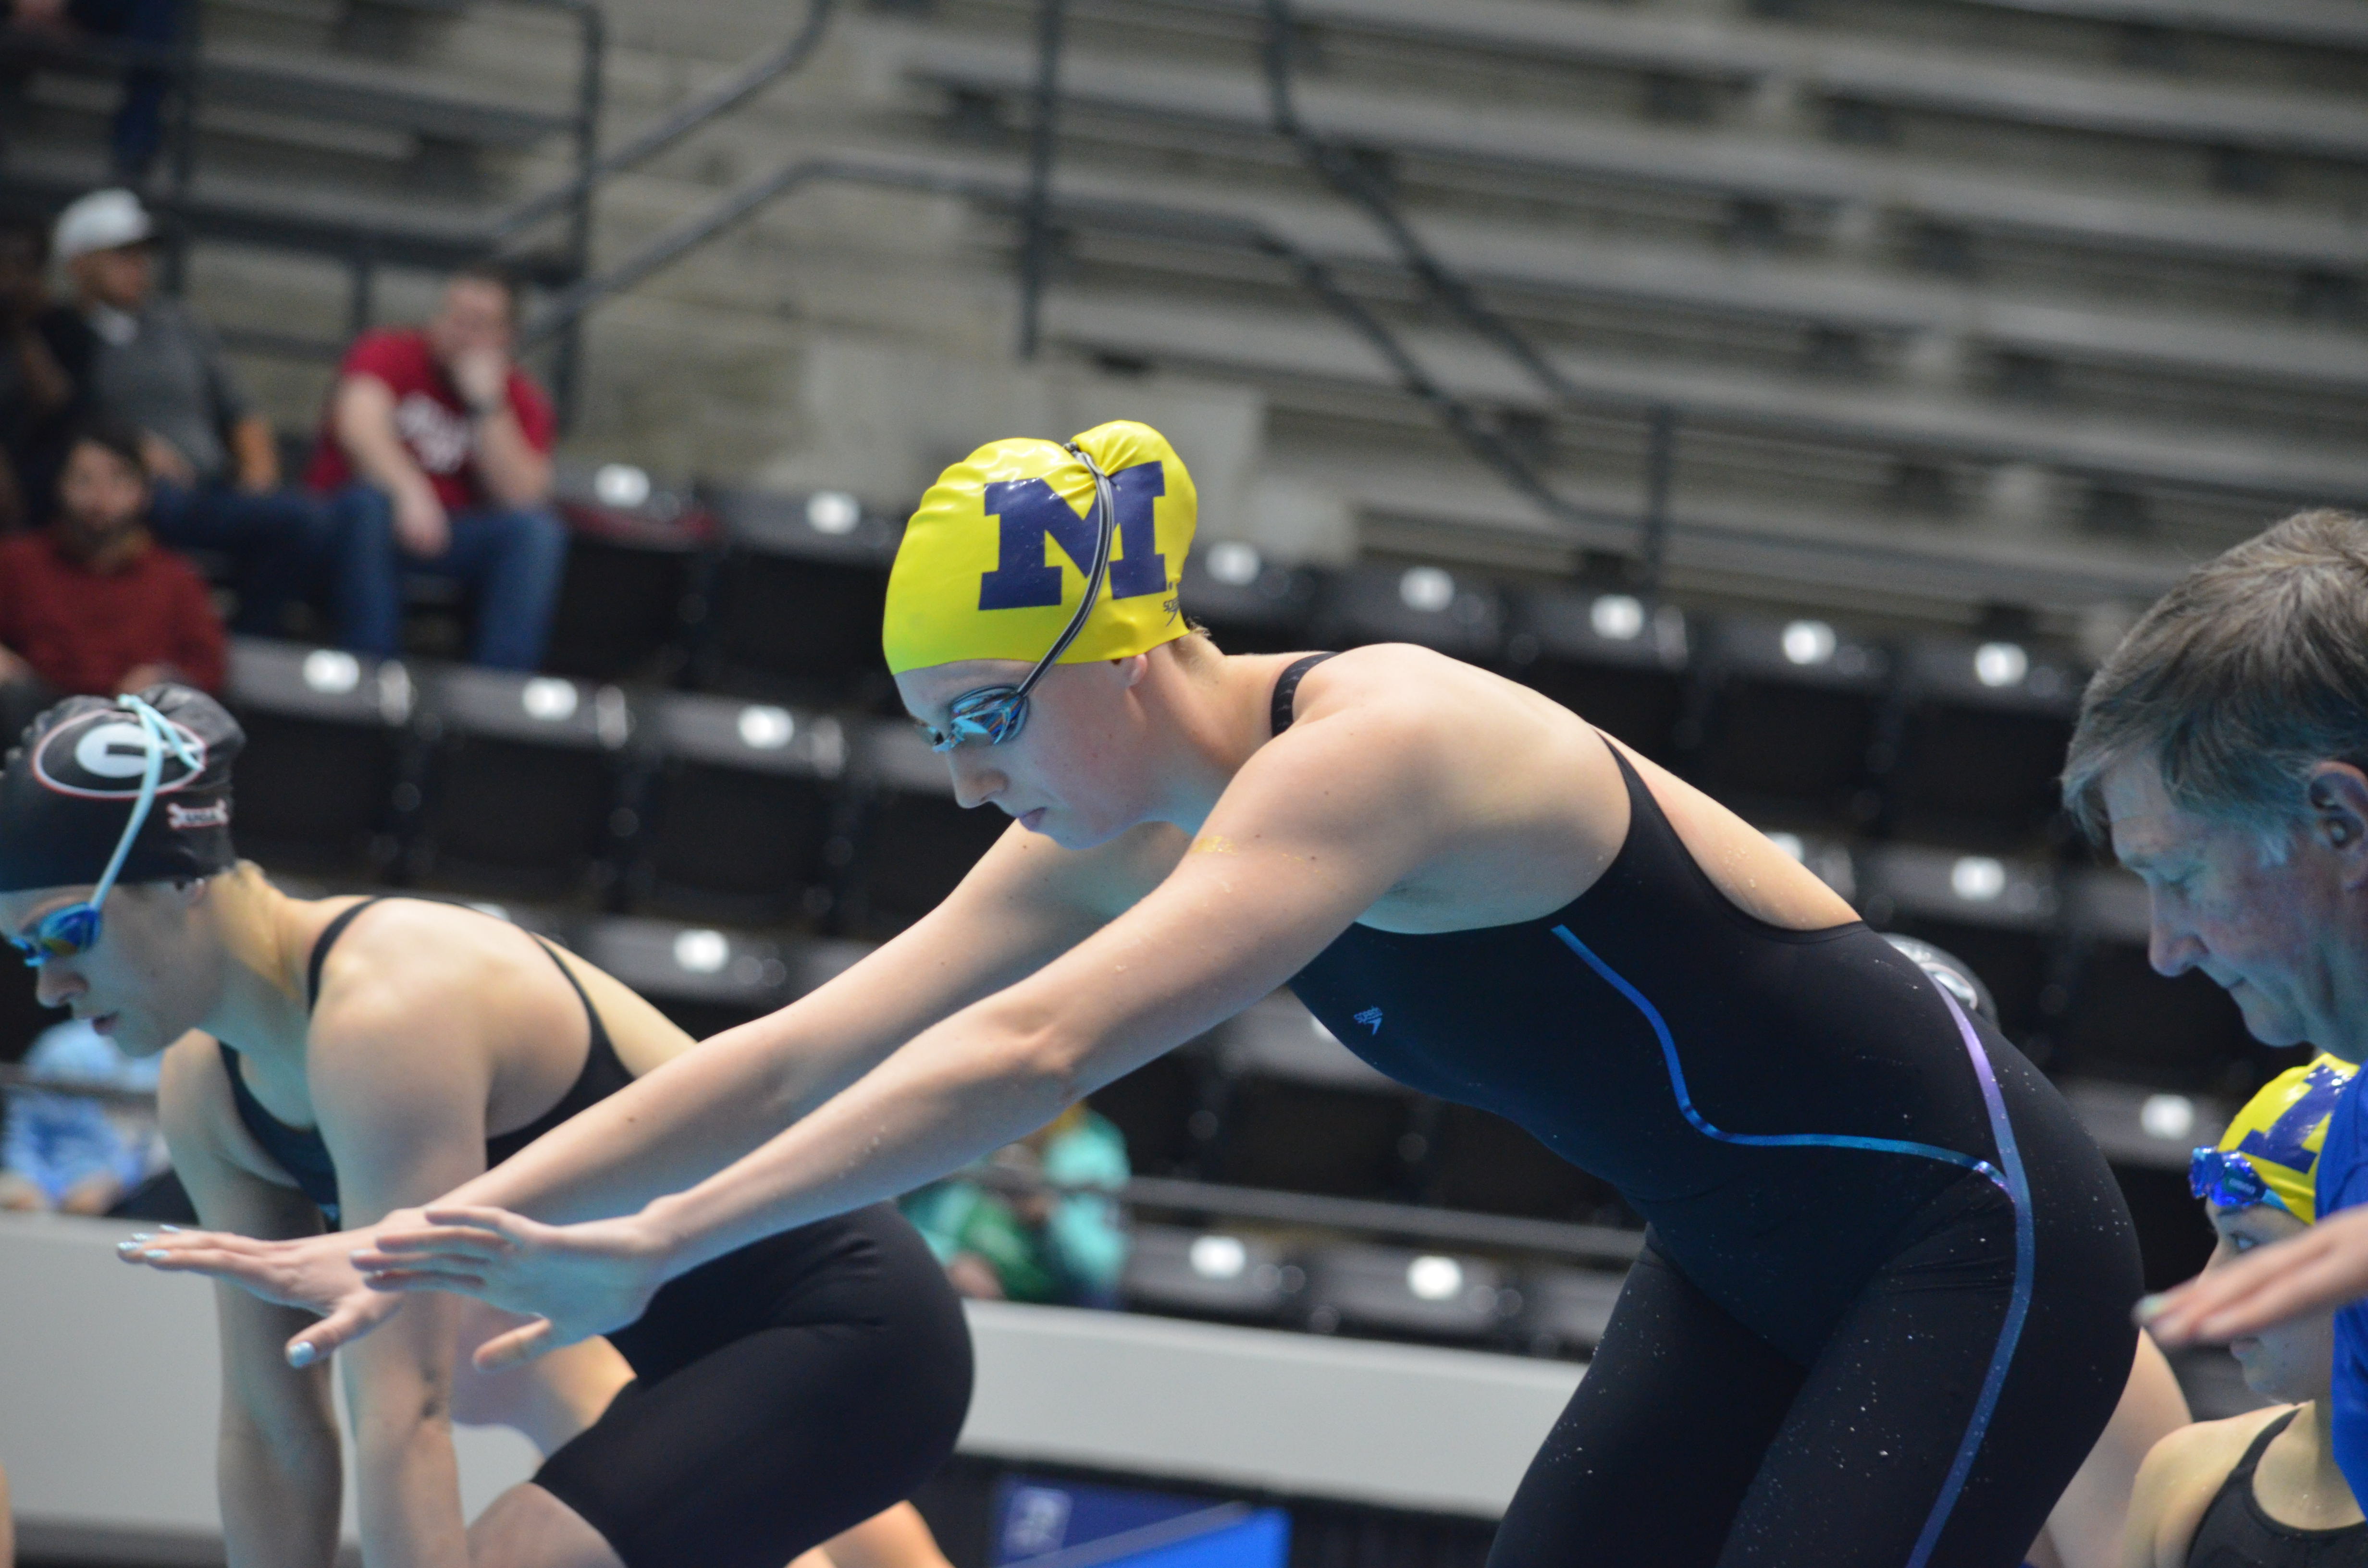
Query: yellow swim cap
[[2269, 1153], [975, 580]]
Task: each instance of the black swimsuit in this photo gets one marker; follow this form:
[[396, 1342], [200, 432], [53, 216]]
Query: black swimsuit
[[783, 1392], [1882, 1313], [2237, 1532]]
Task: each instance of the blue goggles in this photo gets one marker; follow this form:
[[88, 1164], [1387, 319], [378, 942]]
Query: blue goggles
[[73, 929], [991, 715], [2227, 1179]]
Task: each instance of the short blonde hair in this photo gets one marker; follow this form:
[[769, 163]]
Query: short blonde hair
[[2240, 680]]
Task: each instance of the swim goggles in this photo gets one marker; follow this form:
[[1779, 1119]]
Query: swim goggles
[[992, 714], [2228, 1179], [63, 933]]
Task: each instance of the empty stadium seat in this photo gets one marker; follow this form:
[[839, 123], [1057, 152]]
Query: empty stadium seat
[[1793, 715], [1426, 605], [1249, 604], [794, 614], [1609, 658], [633, 575], [1986, 725], [705, 980], [736, 816], [1389, 1290], [913, 843], [1208, 1274], [325, 784], [524, 784]]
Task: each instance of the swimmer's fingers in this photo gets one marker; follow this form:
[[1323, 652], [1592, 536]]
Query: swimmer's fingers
[[2322, 1268], [519, 1346], [455, 1236], [351, 1319], [272, 1270]]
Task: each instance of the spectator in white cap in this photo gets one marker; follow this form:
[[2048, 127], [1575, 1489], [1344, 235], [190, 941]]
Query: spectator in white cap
[[148, 361]]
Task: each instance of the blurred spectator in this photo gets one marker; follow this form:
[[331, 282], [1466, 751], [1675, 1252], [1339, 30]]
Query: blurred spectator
[[72, 1153], [36, 395], [216, 470], [92, 604], [1064, 1248], [148, 30], [438, 449]]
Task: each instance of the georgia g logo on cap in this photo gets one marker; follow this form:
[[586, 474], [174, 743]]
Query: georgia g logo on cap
[[103, 756]]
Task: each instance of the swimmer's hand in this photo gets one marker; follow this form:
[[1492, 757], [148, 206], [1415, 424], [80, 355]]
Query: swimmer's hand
[[574, 1280], [2323, 1267], [316, 1273]]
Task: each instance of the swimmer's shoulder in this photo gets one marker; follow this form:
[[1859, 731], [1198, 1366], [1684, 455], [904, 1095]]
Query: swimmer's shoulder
[[2180, 1476]]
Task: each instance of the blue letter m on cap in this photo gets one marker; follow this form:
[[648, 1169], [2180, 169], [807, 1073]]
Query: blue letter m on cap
[[1029, 510]]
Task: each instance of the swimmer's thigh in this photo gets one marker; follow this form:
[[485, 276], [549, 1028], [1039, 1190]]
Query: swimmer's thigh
[[1864, 1472], [778, 1438], [1659, 1445]]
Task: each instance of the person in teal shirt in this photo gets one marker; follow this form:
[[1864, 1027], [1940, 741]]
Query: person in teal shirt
[[1066, 1247]]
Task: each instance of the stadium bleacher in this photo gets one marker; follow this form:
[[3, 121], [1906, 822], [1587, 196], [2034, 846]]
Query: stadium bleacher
[[1983, 317]]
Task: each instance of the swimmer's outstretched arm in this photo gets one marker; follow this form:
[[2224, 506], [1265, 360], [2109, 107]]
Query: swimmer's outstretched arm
[[1312, 830], [2323, 1267]]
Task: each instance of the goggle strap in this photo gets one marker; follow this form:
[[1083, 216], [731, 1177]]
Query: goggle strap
[[1106, 511], [158, 731]]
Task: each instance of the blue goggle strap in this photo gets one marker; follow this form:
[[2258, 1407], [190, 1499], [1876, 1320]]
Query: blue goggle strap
[[161, 736]]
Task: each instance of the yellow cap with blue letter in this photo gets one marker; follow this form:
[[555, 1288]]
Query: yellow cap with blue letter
[[2269, 1153], [995, 561]]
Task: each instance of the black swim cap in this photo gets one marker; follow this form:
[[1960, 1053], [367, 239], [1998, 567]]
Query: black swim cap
[[71, 783]]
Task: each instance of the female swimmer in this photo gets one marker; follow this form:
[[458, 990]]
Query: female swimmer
[[1884, 1311], [2260, 1490], [331, 1060]]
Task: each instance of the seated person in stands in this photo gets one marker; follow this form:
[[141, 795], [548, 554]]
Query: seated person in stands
[[438, 450], [92, 605], [2260, 1490], [77, 1154], [36, 396], [147, 361], [1012, 1240], [149, 29]]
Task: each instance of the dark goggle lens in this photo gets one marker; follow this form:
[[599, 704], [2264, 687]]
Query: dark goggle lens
[[62, 934]]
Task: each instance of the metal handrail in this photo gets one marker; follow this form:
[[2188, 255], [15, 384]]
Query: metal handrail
[[717, 100]]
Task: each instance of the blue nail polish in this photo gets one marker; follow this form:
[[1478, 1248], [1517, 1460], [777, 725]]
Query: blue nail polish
[[302, 1355], [154, 1257], [144, 1235], [172, 1229], [127, 1248]]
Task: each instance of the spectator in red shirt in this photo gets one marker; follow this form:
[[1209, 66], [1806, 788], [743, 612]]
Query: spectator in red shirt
[[437, 448], [92, 605]]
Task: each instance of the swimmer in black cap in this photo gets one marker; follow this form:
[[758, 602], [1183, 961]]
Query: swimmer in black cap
[[328, 1060]]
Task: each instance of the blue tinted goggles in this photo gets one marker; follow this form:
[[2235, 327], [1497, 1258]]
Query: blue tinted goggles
[[991, 715], [73, 929], [2227, 1179]]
